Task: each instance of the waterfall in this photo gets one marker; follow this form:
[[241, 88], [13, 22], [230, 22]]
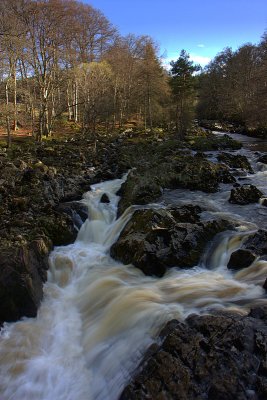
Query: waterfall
[[98, 316]]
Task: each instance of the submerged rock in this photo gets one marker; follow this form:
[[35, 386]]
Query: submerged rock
[[218, 357], [154, 240], [245, 194]]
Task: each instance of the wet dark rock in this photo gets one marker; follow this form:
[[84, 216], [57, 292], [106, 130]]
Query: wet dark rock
[[245, 194], [263, 159], [264, 202], [104, 198], [241, 258], [58, 226], [255, 246], [23, 270], [77, 210], [235, 161], [145, 185], [154, 240], [257, 243], [220, 356], [35, 180], [212, 142]]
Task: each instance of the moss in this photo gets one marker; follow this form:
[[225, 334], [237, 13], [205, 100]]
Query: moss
[[212, 142]]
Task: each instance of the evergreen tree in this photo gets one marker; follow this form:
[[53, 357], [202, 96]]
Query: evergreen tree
[[182, 84]]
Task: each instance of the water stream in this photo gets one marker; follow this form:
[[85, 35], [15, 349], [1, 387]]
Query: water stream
[[99, 316]]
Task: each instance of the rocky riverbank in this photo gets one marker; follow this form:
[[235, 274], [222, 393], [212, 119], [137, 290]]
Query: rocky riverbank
[[40, 189], [217, 357], [40, 184]]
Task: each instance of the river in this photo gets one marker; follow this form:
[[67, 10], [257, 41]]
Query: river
[[99, 316]]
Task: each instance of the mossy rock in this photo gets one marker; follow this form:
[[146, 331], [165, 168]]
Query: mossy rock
[[235, 161], [154, 240], [213, 142]]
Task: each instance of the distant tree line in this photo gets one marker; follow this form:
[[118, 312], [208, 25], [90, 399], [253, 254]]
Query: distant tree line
[[233, 87], [63, 58]]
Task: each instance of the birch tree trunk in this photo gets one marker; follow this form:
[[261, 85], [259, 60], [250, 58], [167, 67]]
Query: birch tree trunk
[[8, 129]]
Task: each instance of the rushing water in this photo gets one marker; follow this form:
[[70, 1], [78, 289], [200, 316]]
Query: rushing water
[[98, 316]]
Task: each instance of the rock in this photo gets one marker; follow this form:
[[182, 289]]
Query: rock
[[254, 246], [145, 184], [235, 161], [58, 226], [154, 240], [23, 270], [257, 243], [262, 159], [35, 179], [264, 202], [241, 258], [245, 194], [219, 357], [21, 203], [104, 198], [76, 210], [212, 142]]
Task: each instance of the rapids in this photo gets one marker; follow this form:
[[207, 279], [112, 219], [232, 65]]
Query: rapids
[[98, 316]]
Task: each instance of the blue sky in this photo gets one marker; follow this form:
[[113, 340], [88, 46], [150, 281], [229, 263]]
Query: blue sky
[[201, 27]]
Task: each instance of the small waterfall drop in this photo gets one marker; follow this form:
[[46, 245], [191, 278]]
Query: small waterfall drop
[[99, 316]]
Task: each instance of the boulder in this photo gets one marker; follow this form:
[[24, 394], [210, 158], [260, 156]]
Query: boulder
[[235, 161], [77, 210], [104, 198], [245, 194], [241, 258], [213, 142], [254, 246], [216, 357], [23, 271], [58, 226], [154, 240], [145, 184], [257, 243]]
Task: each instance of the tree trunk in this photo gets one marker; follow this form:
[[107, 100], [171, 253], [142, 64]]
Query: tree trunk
[[149, 110], [15, 124], [32, 118], [8, 129], [69, 104], [75, 102]]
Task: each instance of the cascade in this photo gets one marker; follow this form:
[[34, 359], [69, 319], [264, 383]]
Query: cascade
[[98, 316]]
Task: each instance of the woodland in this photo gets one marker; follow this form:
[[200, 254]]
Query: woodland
[[63, 65]]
